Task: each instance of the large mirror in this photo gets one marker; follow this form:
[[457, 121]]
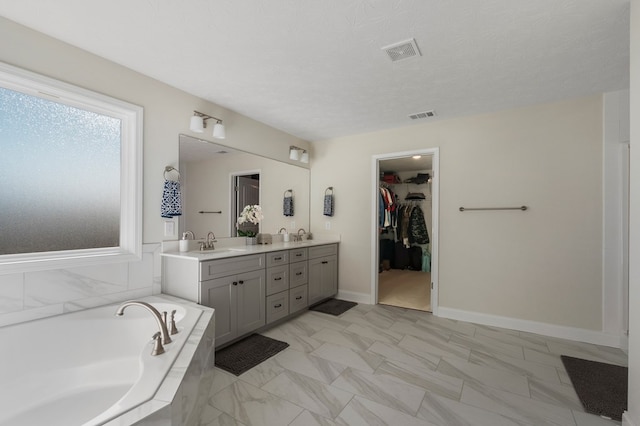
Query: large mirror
[[215, 176]]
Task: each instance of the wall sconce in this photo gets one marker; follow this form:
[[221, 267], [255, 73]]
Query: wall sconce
[[298, 154], [199, 123]]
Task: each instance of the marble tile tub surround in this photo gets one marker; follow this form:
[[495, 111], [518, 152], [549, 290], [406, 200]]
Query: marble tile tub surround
[[32, 295], [382, 365]]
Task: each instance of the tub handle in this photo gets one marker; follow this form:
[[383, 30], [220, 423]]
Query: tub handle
[[158, 349]]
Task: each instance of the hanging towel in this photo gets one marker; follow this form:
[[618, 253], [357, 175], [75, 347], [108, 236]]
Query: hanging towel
[[171, 199], [287, 205], [328, 205]]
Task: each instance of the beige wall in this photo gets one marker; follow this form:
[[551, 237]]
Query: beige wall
[[541, 265], [166, 109], [208, 186], [633, 415]]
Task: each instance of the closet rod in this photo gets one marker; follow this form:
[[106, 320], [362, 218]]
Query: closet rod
[[464, 209]]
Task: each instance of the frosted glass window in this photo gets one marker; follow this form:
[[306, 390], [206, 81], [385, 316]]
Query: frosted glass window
[[60, 176], [70, 175]]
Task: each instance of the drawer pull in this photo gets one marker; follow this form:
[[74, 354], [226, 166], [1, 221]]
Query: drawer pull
[[299, 297], [277, 258], [241, 282], [235, 283], [298, 254], [279, 305], [298, 273], [277, 279], [324, 262]]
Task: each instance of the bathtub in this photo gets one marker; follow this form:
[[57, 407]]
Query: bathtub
[[87, 367]]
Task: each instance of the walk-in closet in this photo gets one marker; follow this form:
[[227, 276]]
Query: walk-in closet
[[405, 229]]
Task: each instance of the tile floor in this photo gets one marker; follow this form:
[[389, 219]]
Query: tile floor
[[381, 365]]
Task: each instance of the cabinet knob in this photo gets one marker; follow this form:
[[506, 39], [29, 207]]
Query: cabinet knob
[[298, 273], [298, 254], [325, 262], [235, 283], [299, 297], [241, 282], [277, 258], [279, 305], [277, 278]]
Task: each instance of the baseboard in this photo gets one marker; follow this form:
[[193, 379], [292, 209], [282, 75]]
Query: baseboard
[[353, 296], [626, 420], [570, 333]]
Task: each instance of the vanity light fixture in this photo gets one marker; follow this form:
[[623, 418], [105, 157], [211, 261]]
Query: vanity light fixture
[[294, 153], [199, 123], [304, 157]]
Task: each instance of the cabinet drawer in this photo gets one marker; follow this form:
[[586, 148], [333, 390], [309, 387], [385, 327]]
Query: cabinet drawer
[[297, 298], [297, 255], [298, 274], [277, 306], [277, 279], [277, 258], [320, 251], [229, 266]]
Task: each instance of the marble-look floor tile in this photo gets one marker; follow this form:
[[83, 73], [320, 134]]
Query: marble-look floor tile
[[365, 361], [511, 338], [307, 418], [383, 389], [541, 357], [564, 376], [208, 415], [555, 393], [311, 366], [448, 325], [431, 346], [221, 379], [484, 376], [421, 331], [515, 366], [311, 394], [483, 329], [371, 332], [252, 406], [263, 372], [362, 412], [586, 419], [425, 378], [396, 353], [488, 345], [446, 412], [318, 320], [522, 409], [343, 338], [222, 419], [587, 351], [291, 335]]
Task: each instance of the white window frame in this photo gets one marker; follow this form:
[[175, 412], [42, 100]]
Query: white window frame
[[131, 117]]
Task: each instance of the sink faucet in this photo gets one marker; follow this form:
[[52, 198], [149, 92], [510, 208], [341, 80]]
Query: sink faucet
[[211, 238], [303, 231], [282, 229], [156, 315], [188, 233]]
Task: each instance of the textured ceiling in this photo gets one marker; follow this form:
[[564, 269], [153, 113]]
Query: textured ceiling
[[315, 69]]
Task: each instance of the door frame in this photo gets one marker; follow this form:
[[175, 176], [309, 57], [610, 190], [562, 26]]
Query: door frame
[[232, 182], [435, 203]]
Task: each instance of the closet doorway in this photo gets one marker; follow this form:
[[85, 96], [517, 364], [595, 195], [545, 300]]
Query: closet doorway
[[406, 230]]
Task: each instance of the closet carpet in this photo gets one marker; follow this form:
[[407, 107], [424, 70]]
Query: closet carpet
[[406, 289]]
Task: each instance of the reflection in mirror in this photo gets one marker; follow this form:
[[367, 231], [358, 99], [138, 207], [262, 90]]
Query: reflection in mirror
[[208, 173]]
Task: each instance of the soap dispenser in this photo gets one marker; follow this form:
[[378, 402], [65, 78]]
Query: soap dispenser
[[184, 242]]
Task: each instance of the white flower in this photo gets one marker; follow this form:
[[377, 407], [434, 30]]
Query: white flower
[[250, 213]]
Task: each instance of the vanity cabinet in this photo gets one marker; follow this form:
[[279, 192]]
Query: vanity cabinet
[[323, 272], [282, 276]]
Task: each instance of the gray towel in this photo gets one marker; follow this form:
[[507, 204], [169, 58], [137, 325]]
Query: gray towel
[[287, 206], [328, 205]]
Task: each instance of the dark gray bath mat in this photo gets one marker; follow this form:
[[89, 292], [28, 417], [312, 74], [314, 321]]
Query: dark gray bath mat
[[247, 353], [602, 388], [333, 306]]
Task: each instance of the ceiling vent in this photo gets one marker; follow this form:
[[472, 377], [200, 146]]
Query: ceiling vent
[[421, 115], [402, 50]]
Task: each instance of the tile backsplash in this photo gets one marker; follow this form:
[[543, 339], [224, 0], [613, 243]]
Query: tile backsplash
[[32, 295]]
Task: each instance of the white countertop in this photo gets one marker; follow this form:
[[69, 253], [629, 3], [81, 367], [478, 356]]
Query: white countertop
[[223, 250]]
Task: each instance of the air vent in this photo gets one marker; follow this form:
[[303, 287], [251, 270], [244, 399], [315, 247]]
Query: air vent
[[402, 50], [421, 115]]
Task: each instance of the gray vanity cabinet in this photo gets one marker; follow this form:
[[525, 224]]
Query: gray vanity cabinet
[[238, 298], [323, 272]]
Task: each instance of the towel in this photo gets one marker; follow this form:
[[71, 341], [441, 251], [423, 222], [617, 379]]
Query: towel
[[287, 206], [171, 199], [328, 205]]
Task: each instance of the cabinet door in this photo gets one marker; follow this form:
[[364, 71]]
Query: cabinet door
[[221, 294], [329, 276], [251, 301], [315, 280]]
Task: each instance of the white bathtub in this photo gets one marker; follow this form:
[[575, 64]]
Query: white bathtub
[[87, 367]]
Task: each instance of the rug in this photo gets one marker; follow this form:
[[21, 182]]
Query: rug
[[602, 388], [333, 307], [247, 353]]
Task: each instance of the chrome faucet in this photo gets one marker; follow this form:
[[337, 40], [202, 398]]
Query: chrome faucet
[[156, 315]]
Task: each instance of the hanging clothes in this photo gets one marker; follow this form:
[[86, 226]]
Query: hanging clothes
[[418, 232]]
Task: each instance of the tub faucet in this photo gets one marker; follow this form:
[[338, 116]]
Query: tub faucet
[[161, 324]]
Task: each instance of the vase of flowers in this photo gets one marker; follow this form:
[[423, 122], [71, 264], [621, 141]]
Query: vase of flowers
[[250, 217]]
